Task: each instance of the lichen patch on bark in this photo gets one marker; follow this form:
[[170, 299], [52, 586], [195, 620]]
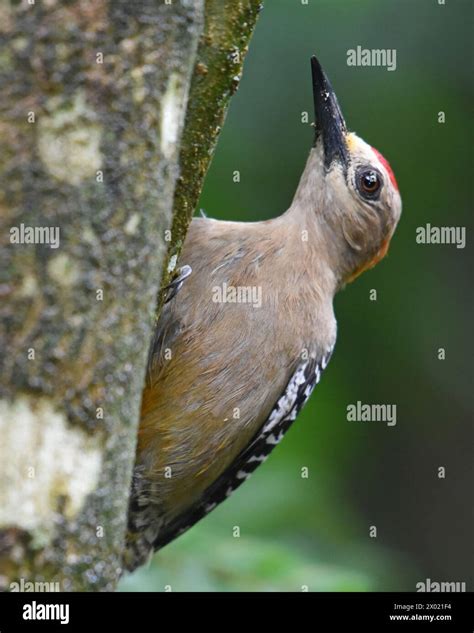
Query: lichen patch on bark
[[69, 139], [56, 466], [63, 270], [171, 115]]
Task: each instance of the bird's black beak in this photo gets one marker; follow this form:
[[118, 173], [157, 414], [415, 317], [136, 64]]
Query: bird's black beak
[[330, 123]]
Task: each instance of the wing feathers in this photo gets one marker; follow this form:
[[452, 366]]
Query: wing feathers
[[297, 392]]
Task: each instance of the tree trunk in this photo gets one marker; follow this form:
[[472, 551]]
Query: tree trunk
[[92, 100]]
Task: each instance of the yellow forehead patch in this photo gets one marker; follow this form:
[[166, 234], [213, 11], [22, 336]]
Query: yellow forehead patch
[[351, 141]]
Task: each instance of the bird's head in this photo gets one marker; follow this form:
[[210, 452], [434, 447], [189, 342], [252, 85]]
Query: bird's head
[[350, 186]]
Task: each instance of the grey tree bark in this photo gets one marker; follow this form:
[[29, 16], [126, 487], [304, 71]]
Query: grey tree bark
[[93, 97]]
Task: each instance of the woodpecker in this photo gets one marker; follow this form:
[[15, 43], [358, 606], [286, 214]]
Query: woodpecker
[[227, 378]]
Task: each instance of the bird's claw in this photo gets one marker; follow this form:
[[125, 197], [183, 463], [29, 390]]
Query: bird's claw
[[175, 286]]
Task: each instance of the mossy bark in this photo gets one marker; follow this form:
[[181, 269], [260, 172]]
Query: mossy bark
[[222, 48], [93, 98]]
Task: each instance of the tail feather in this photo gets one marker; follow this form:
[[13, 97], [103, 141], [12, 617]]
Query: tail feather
[[144, 524]]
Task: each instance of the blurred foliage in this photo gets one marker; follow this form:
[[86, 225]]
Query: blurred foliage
[[203, 562], [315, 531]]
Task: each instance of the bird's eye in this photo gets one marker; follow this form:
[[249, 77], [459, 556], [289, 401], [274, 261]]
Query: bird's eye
[[369, 183]]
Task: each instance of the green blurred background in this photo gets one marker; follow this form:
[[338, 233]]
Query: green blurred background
[[313, 533]]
